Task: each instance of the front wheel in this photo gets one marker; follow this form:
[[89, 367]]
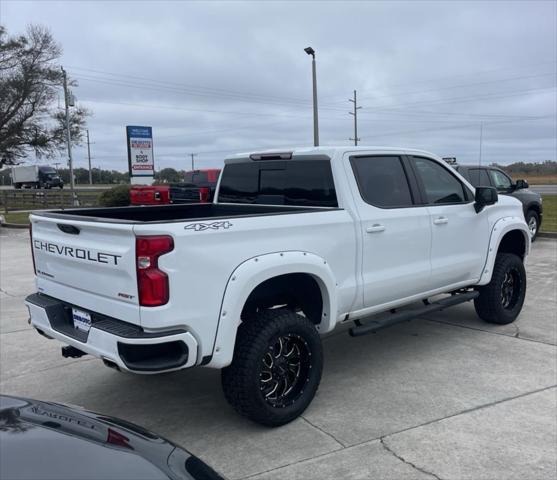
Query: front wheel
[[533, 222], [276, 369], [501, 300]]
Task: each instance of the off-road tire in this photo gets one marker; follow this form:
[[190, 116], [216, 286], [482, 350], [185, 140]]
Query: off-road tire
[[531, 216], [242, 380], [491, 303]]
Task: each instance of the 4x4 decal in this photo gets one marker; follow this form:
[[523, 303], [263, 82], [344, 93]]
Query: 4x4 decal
[[200, 227]]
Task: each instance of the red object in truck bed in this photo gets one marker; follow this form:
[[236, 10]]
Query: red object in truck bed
[[150, 195]]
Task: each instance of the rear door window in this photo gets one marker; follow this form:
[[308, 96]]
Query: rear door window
[[382, 181], [279, 182]]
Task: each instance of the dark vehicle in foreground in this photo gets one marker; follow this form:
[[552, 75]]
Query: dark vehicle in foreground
[[198, 187], [494, 177], [41, 440]]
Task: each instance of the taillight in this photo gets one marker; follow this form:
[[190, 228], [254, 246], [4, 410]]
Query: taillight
[[152, 283], [31, 244], [204, 193]]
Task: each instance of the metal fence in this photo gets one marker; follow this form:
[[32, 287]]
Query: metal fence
[[14, 200]]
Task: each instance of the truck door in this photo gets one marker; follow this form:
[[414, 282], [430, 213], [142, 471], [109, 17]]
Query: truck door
[[459, 235], [395, 229]]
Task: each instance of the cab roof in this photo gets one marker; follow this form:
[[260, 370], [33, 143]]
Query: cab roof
[[309, 153]]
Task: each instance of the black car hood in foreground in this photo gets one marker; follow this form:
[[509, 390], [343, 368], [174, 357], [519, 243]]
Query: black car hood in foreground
[[42, 440]]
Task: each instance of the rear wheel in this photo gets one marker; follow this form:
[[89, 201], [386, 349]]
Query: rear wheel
[[276, 367], [533, 221], [501, 300]]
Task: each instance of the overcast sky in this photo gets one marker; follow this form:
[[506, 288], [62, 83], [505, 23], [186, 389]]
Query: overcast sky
[[218, 77]]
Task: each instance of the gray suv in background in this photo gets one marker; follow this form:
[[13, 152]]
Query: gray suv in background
[[495, 177]]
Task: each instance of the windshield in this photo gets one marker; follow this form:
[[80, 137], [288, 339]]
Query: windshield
[[49, 172], [196, 178]]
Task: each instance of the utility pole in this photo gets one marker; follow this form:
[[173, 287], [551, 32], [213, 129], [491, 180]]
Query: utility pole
[[89, 157], [192, 155], [481, 140], [355, 114], [68, 135], [311, 51]]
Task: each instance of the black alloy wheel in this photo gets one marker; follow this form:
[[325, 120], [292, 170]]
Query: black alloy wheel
[[276, 369], [501, 300], [284, 370]]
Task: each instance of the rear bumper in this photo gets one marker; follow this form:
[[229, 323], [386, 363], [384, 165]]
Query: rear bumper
[[125, 345]]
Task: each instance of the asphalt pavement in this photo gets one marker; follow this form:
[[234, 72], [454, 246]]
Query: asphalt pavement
[[443, 397], [544, 189]]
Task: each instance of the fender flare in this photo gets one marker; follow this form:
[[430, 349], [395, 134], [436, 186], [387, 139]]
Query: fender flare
[[254, 271], [500, 229]]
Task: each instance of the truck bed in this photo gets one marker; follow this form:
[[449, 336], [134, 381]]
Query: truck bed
[[174, 213]]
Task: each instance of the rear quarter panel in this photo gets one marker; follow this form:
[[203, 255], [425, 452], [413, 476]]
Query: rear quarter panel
[[205, 256]]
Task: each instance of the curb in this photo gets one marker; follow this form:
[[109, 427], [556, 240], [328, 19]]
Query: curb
[[14, 225], [547, 234], [3, 224]]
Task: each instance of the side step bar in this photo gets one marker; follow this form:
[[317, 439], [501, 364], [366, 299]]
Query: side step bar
[[394, 318]]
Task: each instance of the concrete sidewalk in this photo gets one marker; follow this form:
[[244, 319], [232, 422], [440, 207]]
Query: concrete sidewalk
[[446, 397]]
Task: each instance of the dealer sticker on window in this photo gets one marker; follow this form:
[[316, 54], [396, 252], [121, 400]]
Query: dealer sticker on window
[[81, 320]]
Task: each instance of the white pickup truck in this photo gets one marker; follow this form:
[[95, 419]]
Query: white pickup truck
[[294, 244]]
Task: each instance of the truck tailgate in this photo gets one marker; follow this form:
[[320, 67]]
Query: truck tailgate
[[87, 264]]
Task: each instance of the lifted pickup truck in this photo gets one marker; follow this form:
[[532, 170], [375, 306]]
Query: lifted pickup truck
[[294, 244]]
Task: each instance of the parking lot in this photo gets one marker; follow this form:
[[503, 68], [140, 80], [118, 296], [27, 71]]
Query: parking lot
[[445, 397]]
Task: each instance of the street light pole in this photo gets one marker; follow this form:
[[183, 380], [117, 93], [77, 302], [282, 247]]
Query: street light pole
[[68, 135], [311, 51]]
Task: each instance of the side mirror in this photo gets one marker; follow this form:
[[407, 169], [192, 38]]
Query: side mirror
[[521, 184], [484, 196]]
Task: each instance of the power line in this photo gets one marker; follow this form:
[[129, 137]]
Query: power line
[[472, 98], [300, 100], [452, 127], [282, 114], [144, 86], [190, 87], [465, 85], [203, 110], [474, 74]]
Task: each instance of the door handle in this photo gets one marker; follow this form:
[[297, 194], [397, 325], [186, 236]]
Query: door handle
[[376, 227], [441, 221]]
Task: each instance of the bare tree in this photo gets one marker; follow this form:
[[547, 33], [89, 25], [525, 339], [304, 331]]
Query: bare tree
[[30, 81]]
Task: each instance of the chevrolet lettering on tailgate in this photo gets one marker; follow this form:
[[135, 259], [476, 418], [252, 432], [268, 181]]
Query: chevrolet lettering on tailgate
[[79, 253]]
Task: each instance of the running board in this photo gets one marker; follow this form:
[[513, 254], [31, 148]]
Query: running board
[[394, 318]]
